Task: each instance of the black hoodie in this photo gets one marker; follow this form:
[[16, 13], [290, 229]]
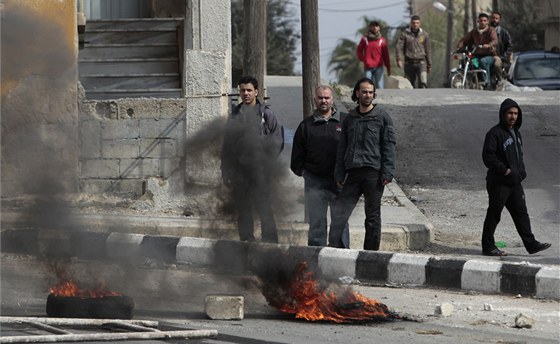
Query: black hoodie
[[502, 150]]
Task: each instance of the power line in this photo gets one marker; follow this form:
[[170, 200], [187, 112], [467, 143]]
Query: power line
[[362, 9]]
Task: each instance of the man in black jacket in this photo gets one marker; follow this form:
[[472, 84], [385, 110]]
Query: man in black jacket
[[365, 163], [505, 45], [313, 157], [503, 156]]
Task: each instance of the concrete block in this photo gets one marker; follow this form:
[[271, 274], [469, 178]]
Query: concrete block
[[123, 245], [548, 282], [90, 139], [142, 168], [99, 168], [160, 128], [120, 148], [223, 307], [335, 263], [407, 269], [444, 310], [398, 82], [120, 129], [158, 148], [195, 251], [481, 276]]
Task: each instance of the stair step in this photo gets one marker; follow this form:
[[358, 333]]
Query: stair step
[[135, 23], [135, 81], [125, 66], [138, 93], [119, 51], [125, 36]]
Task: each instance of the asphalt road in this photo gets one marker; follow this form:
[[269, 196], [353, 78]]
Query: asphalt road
[[174, 296]]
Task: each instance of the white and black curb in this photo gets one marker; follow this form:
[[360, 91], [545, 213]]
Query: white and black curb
[[240, 257]]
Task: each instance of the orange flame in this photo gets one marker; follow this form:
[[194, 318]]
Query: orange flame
[[70, 289], [307, 300]]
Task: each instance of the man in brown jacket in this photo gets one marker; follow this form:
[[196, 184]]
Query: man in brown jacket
[[414, 47], [484, 37]]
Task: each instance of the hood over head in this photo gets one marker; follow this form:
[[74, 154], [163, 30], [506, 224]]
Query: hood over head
[[509, 103]]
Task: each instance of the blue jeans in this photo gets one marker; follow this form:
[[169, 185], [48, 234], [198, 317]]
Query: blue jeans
[[486, 63], [376, 74], [320, 194]]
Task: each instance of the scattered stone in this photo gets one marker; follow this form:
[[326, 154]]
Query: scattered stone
[[518, 296], [523, 321], [444, 310], [222, 307], [469, 308], [488, 307]]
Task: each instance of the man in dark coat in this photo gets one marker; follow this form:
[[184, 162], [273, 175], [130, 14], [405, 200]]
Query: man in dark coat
[[503, 156]]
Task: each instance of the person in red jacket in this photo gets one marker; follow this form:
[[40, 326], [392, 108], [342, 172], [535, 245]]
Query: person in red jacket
[[374, 53]]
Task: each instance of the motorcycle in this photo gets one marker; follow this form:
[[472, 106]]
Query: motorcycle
[[467, 75]]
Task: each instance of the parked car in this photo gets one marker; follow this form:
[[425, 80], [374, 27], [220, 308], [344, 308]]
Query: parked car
[[537, 68]]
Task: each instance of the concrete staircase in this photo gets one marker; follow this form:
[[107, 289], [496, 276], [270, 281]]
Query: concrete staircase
[[131, 58]]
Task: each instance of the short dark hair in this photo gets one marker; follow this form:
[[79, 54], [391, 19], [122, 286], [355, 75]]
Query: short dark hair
[[249, 80], [357, 87], [498, 13], [374, 23], [415, 17], [483, 15]]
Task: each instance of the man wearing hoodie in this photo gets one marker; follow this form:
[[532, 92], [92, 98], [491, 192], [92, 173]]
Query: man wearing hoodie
[[503, 156], [374, 53], [414, 46]]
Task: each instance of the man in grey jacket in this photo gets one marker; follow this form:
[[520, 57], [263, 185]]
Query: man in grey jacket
[[365, 163], [414, 47]]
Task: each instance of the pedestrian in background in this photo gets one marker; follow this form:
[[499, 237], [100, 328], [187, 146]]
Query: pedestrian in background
[[414, 47], [503, 156], [374, 53], [484, 36], [314, 157], [253, 140], [365, 163], [505, 45]]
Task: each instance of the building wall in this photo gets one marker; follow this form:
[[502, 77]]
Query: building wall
[[39, 145]]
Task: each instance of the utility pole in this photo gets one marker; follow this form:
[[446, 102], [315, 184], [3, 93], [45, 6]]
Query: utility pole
[[450, 12], [254, 47], [466, 19], [310, 53]]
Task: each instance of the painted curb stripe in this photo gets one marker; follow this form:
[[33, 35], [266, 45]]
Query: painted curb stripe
[[444, 272], [372, 266], [518, 279]]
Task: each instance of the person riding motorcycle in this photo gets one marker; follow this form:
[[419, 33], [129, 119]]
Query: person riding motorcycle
[[505, 45], [486, 39]]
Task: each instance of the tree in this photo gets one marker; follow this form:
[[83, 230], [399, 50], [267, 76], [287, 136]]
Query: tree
[[521, 19], [282, 38]]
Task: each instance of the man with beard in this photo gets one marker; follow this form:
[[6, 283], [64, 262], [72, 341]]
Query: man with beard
[[505, 46], [503, 156], [252, 142], [374, 53], [314, 157], [365, 163]]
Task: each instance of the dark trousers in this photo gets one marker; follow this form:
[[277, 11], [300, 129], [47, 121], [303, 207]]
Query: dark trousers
[[416, 71], [257, 199], [320, 194], [513, 198], [360, 181]]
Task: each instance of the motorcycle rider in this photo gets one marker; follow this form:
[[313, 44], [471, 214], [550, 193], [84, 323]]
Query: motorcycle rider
[[485, 36], [505, 46]]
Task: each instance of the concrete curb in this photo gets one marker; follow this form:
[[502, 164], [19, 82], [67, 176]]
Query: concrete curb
[[376, 267]]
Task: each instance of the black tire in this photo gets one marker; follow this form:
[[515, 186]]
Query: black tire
[[456, 80]]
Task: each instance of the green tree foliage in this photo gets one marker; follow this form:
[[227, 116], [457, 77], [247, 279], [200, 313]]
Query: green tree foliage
[[526, 29], [282, 37]]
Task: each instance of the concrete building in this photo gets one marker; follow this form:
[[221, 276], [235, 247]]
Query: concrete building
[[86, 111]]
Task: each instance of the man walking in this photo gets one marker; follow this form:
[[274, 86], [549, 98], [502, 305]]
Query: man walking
[[503, 156], [374, 53], [252, 142], [314, 157], [505, 45], [414, 46], [365, 163], [485, 36]]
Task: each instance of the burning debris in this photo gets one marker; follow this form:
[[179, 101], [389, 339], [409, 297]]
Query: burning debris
[[68, 300], [307, 298]]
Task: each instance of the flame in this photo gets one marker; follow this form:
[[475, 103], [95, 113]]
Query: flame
[[70, 289], [306, 299]]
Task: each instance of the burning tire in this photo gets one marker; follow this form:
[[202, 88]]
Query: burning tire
[[106, 307]]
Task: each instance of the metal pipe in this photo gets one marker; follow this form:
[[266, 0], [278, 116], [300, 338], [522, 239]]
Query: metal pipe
[[75, 321], [188, 334]]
